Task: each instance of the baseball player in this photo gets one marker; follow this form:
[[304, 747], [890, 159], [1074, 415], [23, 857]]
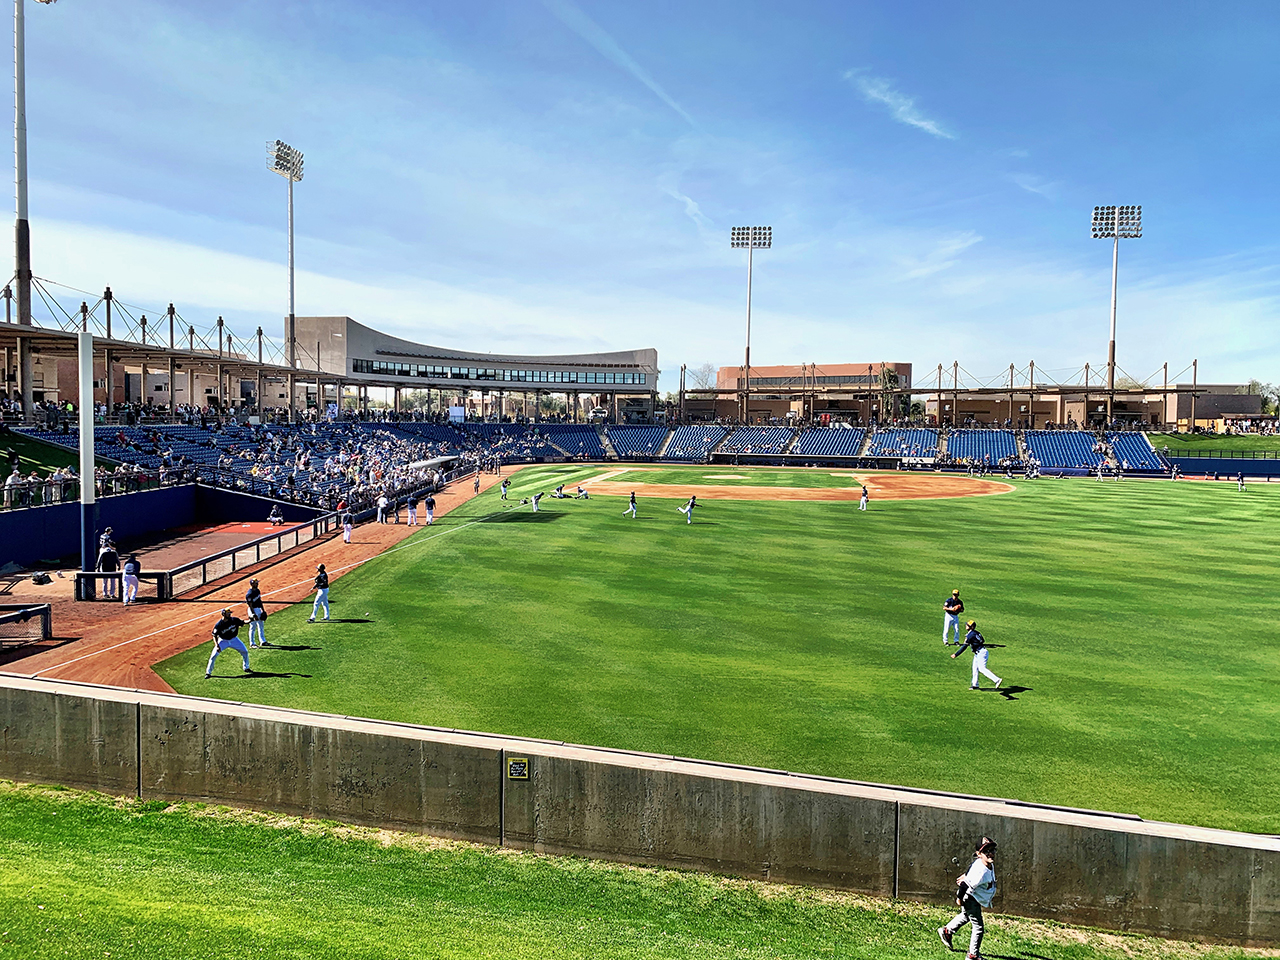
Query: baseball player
[[475, 487], [862, 503], [631, 508], [1240, 481], [226, 634], [257, 614], [559, 494], [952, 607], [430, 504], [413, 509], [108, 562], [506, 482], [687, 509], [973, 640], [347, 523], [975, 890], [581, 495], [129, 577], [535, 498], [322, 595], [382, 508]]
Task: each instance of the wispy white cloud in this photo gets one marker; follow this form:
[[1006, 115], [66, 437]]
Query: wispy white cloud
[[572, 17], [901, 107], [1049, 189]]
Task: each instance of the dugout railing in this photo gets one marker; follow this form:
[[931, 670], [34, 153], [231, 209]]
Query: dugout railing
[[189, 576], [22, 623]]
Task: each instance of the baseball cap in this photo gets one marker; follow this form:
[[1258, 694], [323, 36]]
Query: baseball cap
[[253, 582], [972, 623], [226, 611], [955, 593]]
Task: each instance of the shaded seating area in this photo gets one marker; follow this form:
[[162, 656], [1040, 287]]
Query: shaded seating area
[[911, 442], [837, 441]]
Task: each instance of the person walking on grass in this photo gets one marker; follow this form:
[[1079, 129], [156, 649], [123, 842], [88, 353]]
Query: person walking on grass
[[226, 635], [322, 595], [631, 508], [973, 640], [257, 614], [975, 890]]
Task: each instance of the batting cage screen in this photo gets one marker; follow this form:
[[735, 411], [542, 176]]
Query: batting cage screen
[[25, 623]]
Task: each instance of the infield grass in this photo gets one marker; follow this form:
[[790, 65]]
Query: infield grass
[[1134, 625], [88, 876]]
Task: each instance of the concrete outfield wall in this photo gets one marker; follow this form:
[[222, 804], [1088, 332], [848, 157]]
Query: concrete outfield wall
[[1227, 467], [1073, 866]]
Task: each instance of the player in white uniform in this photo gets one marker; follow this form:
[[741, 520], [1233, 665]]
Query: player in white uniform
[[631, 508], [976, 889], [862, 502], [430, 504], [973, 640], [952, 607], [257, 614], [687, 509], [413, 509], [534, 500], [225, 635], [129, 577], [322, 595], [506, 483], [347, 523]]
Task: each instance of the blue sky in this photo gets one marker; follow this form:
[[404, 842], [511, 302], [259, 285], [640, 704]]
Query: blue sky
[[546, 176]]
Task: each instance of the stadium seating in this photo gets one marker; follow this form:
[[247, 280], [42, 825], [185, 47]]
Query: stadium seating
[[632, 443], [575, 439], [758, 440], [913, 442], [1063, 448], [982, 446], [839, 441], [694, 442], [1135, 450]]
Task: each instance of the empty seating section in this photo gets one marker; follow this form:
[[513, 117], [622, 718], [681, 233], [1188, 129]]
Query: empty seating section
[[694, 442], [636, 442], [830, 442], [1135, 450], [576, 439], [913, 442], [1063, 448], [758, 440], [982, 446]]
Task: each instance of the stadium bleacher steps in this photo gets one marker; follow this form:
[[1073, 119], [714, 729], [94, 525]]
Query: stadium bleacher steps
[[1024, 452], [666, 442], [943, 437], [609, 449], [720, 443], [795, 436], [865, 449]]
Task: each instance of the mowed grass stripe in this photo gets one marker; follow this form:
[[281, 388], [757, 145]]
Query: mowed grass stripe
[[806, 636]]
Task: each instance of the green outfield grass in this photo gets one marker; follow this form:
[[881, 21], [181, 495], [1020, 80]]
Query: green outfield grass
[[1136, 621], [88, 876], [1207, 443]]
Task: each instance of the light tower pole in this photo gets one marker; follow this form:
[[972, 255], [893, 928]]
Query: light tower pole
[[752, 238], [286, 161], [1115, 223]]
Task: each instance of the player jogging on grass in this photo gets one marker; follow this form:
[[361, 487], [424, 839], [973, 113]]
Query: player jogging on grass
[[631, 508], [973, 640], [226, 634], [257, 614], [974, 890], [322, 595]]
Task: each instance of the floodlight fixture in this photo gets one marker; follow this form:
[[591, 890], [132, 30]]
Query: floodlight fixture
[[284, 160], [750, 239], [1115, 223]]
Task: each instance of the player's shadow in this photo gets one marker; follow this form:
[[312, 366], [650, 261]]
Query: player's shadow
[[544, 516], [349, 620], [261, 674], [292, 647], [1009, 693]]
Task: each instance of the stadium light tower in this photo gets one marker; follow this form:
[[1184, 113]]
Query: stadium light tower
[[752, 238], [1115, 223], [286, 161]]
